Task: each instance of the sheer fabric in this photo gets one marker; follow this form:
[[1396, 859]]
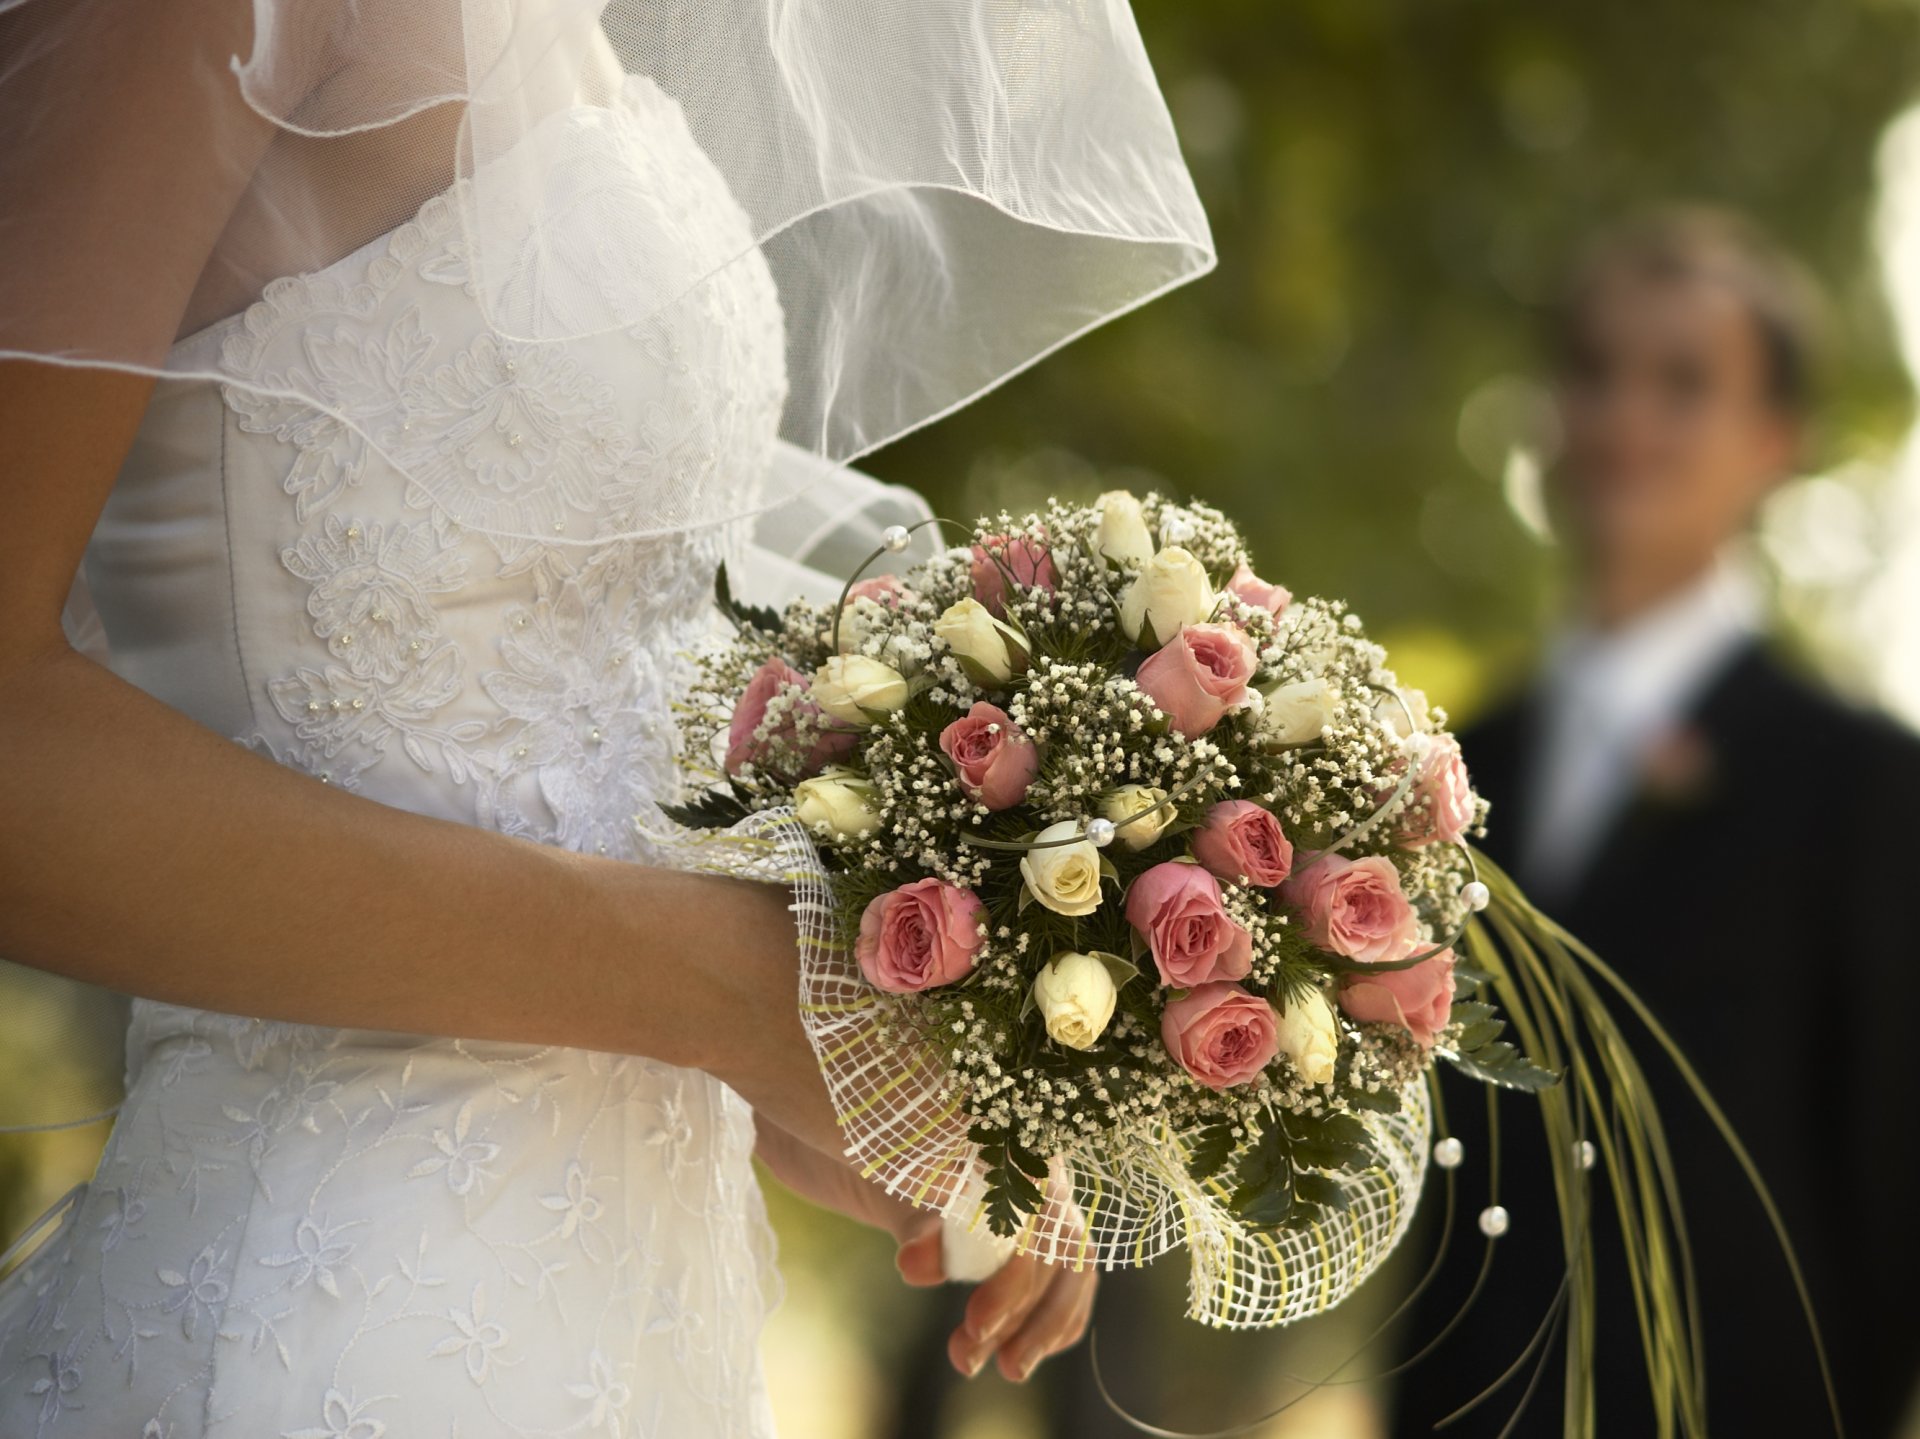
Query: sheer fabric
[[942, 191]]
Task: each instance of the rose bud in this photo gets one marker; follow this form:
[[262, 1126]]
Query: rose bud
[[1026, 559], [778, 751], [1419, 1000], [1353, 907], [839, 802], [1176, 908], [1250, 589], [990, 650], [1240, 840], [1122, 536], [1063, 877], [919, 936], [1172, 591], [857, 689], [1442, 805], [1138, 799], [996, 762], [1309, 1037], [1198, 676], [1220, 1034], [1075, 995]]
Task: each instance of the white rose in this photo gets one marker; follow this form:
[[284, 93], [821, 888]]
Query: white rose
[[1393, 714], [839, 800], [1075, 996], [1172, 592], [1063, 877], [1297, 713], [858, 689], [991, 650], [1122, 536], [1309, 1037], [1131, 799]]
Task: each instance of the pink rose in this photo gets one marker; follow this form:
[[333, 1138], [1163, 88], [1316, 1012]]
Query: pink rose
[[1027, 560], [1255, 591], [776, 750], [1441, 806], [1177, 909], [1198, 675], [918, 936], [881, 589], [1419, 1000], [1353, 907], [1240, 838], [996, 761], [1221, 1035]]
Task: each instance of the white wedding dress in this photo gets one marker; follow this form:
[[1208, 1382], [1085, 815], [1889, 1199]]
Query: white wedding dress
[[343, 1234]]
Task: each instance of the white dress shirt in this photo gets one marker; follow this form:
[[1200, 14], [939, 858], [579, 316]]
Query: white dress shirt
[[1605, 698]]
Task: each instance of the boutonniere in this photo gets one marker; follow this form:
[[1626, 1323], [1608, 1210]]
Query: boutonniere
[[1677, 769]]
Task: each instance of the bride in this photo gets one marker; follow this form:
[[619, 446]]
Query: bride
[[389, 379]]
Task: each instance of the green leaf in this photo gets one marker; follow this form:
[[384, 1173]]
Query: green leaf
[[1500, 1063], [743, 616], [1263, 1180], [709, 809], [1381, 1101], [1319, 1189], [1334, 1141], [1209, 1149]]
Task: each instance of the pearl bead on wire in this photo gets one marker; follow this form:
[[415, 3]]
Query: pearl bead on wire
[[1494, 1220], [1100, 832], [895, 538], [1449, 1153]]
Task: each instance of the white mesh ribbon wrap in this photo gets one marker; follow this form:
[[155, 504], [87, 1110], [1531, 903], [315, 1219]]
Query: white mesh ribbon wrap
[[1124, 1201]]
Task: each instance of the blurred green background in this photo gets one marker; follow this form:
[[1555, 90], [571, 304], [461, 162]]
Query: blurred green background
[[1393, 185]]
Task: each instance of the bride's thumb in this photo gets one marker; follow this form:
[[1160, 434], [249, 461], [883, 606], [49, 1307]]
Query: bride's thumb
[[919, 1258]]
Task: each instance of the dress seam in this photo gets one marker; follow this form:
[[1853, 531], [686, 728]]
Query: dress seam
[[233, 580]]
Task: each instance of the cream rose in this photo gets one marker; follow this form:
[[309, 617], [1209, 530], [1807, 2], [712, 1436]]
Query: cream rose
[[1063, 877], [1075, 995], [1392, 714], [1297, 713], [1122, 536], [858, 689], [1131, 799], [839, 801], [1309, 1037], [1172, 592], [991, 650]]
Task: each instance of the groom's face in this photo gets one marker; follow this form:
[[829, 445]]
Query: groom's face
[[1672, 434]]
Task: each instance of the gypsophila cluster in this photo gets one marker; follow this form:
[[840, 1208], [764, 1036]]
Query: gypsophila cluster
[[1132, 841]]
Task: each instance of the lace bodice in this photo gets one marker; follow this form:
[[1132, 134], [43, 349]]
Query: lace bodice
[[348, 1235]]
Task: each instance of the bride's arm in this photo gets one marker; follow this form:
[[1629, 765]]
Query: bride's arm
[[142, 851]]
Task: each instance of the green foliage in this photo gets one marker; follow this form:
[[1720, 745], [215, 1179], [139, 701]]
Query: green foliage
[[1014, 1176], [1480, 1052], [1286, 1177], [743, 616], [709, 809]]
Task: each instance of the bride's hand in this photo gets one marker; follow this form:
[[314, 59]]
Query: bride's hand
[[1026, 1312]]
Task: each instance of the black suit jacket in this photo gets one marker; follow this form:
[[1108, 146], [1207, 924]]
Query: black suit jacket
[[1762, 893]]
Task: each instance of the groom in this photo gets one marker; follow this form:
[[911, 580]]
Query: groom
[[1738, 843]]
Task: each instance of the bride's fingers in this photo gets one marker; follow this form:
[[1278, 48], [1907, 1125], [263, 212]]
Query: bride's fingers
[[1058, 1321], [919, 1259], [996, 1310]]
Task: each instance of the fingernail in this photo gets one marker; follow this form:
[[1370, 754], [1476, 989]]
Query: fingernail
[[1021, 1369], [976, 1363]]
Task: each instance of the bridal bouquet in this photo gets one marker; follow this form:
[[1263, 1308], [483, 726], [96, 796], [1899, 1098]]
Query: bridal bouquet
[[1129, 888]]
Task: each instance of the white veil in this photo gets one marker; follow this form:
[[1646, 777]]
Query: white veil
[[942, 190]]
